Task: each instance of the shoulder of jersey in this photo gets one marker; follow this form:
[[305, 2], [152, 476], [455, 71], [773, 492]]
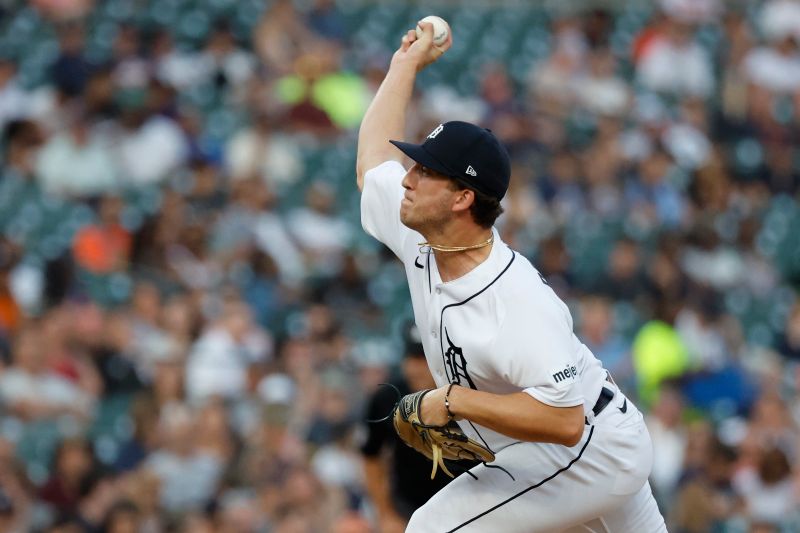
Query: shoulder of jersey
[[524, 275]]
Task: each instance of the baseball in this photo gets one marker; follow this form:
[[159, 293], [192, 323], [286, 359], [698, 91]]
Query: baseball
[[440, 29]]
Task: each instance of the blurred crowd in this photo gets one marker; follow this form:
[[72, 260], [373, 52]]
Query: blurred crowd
[[192, 320]]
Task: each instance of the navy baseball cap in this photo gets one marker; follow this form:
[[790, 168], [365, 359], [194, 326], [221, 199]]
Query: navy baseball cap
[[466, 152]]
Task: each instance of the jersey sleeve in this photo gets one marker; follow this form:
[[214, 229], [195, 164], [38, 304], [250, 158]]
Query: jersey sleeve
[[538, 351], [380, 205]]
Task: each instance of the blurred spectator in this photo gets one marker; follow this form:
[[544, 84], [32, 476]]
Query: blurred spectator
[[99, 493], [672, 62], [623, 278], [14, 100], [326, 20], [173, 66], [73, 462], [15, 505], [553, 79], [130, 70], [600, 90], [334, 410], [272, 446], [321, 233], [32, 391], [337, 464], [11, 313], [144, 439], [559, 186], [553, 263], [189, 257], [789, 344], [189, 476], [769, 425], [262, 151], [71, 69], [105, 247], [669, 443], [223, 62], [249, 219], [66, 10], [782, 175], [651, 197], [738, 40], [658, 354], [280, 37], [774, 67], [98, 97], [768, 490], [149, 146], [596, 332], [122, 517], [21, 142], [497, 91], [706, 501], [226, 354], [699, 328], [697, 11], [780, 18], [686, 139], [77, 162], [320, 94]]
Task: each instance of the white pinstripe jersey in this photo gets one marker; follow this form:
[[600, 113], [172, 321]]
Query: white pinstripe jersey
[[499, 328]]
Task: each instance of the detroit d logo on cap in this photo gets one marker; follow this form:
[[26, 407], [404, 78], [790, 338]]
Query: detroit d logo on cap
[[436, 131]]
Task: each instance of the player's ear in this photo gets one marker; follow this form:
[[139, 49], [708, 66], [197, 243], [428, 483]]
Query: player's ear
[[464, 199]]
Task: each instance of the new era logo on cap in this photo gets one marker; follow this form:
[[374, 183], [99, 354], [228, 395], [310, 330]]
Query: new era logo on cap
[[471, 171]]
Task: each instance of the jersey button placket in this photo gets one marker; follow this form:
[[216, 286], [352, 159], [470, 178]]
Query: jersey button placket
[[437, 305]]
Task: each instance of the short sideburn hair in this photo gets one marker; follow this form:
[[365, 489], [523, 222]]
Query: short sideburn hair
[[484, 209]]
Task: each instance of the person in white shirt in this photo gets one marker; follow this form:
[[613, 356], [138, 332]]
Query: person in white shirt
[[77, 161], [675, 63], [572, 453]]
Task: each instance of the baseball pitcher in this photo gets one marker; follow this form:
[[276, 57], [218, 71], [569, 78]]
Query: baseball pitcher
[[562, 448]]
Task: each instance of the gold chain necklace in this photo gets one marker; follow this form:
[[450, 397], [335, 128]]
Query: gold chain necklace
[[441, 248]]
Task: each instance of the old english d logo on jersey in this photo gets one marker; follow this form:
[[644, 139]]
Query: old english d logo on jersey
[[455, 364]]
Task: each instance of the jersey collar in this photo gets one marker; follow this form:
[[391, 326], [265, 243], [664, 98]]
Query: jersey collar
[[477, 278]]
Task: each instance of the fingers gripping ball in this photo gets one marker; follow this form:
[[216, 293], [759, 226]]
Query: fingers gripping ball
[[440, 29], [435, 442]]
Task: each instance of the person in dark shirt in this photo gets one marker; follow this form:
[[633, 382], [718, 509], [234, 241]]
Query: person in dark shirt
[[398, 478]]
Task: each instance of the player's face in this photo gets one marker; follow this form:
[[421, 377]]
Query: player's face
[[428, 200]]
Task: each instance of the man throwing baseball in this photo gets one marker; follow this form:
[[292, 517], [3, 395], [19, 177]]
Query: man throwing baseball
[[571, 453]]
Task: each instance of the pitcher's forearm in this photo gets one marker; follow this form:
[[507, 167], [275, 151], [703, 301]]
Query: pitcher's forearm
[[385, 119], [519, 415]]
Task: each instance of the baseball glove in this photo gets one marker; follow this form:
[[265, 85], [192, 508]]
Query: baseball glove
[[435, 442]]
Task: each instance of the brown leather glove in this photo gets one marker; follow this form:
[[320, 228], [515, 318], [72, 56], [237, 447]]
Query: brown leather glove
[[435, 442]]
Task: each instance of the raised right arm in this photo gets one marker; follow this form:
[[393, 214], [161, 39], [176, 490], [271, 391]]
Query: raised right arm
[[385, 118]]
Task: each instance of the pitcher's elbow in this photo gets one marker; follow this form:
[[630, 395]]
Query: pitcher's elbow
[[572, 434]]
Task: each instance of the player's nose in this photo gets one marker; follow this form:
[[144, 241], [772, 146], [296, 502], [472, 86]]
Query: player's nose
[[408, 178]]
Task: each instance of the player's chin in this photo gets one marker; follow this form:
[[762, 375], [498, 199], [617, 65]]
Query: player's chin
[[405, 215]]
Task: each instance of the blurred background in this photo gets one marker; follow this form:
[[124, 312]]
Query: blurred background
[[192, 320]]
